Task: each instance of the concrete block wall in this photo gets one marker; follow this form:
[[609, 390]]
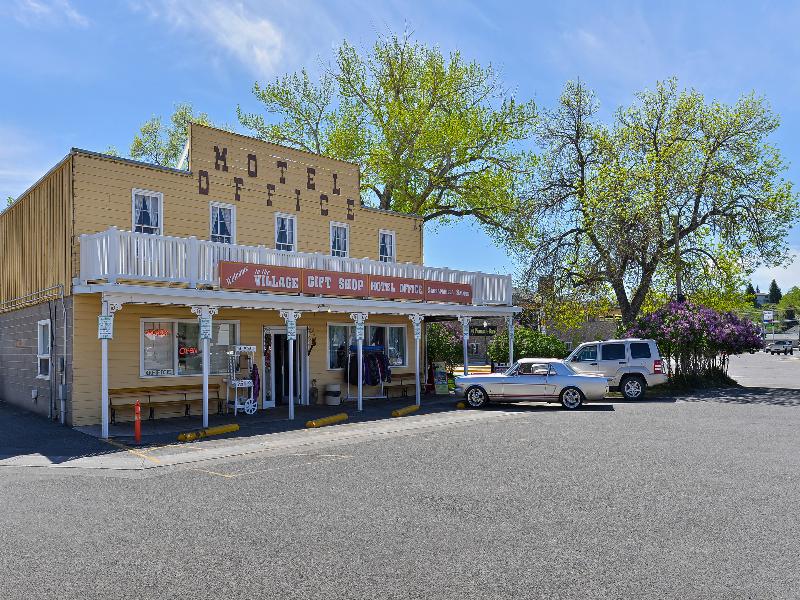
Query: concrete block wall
[[18, 356]]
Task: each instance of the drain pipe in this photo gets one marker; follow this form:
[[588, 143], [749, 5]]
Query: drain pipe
[[62, 388]]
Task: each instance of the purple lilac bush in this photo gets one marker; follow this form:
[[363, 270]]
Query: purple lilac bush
[[696, 340]]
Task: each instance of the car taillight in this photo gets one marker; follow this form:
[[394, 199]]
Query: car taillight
[[658, 367]]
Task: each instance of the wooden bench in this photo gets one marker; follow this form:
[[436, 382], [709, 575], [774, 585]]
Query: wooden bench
[[151, 396], [401, 383]]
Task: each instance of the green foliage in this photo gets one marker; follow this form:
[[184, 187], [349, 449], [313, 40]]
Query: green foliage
[[609, 203], [775, 294], [528, 343], [444, 344], [750, 294], [791, 299], [10, 200], [111, 151], [432, 134], [162, 144]]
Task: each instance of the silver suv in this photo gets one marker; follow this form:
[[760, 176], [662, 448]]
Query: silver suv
[[631, 365]]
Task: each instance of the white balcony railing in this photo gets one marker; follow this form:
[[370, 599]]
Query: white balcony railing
[[114, 254]]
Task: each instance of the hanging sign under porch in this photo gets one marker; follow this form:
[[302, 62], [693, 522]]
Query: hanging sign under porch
[[105, 327], [205, 328], [295, 280]]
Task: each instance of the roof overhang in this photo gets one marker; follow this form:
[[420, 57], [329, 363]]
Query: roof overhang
[[140, 294]]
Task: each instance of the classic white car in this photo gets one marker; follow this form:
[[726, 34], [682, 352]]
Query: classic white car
[[537, 379]]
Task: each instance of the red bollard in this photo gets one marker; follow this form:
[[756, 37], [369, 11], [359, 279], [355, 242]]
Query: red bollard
[[137, 423]]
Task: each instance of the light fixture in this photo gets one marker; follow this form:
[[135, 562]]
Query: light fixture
[[485, 324]]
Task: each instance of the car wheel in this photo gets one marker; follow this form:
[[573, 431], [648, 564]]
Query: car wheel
[[632, 388], [476, 397], [571, 398]]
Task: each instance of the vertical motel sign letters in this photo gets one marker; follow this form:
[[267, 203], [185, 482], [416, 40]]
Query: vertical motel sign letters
[[278, 169]]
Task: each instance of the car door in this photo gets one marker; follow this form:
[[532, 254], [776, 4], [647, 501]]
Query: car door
[[529, 381], [585, 360], [613, 357]]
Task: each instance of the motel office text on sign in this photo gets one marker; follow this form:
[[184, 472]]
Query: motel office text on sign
[[292, 280]]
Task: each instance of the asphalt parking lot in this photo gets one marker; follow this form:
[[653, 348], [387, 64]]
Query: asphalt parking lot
[[667, 498]]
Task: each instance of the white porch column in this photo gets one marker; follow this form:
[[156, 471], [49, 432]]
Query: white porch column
[[510, 321], [291, 316], [417, 321], [204, 317], [359, 318], [105, 331], [465, 332]]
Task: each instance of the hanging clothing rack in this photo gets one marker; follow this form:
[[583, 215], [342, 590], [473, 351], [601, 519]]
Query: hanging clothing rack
[[364, 350]]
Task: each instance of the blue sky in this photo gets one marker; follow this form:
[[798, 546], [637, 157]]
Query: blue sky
[[88, 73]]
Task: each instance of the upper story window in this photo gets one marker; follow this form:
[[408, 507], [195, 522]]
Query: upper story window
[[340, 239], [223, 223], [43, 349], [147, 211], [285, 232], [386, 246]]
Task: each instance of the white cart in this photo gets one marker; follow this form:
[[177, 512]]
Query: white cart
[[239, 393]]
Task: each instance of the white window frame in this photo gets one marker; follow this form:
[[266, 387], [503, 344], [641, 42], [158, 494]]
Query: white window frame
[[174, 323], [232, 208], [393, 234], [160, 209], [366, 325], [347, 239], [293, 219], [40, 355]]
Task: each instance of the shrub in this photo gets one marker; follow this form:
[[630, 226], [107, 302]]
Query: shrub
[[528, 343], [445, 344], [696, 340]]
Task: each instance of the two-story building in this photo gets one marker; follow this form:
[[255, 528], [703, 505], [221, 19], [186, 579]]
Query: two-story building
[[121, 278]]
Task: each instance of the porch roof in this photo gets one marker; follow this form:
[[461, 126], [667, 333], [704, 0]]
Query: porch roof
[[140, 294]]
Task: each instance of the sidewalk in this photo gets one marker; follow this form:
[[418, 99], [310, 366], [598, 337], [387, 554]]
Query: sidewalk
[[273, 420]]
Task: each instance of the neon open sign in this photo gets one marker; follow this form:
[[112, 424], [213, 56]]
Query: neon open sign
[[157, 333]]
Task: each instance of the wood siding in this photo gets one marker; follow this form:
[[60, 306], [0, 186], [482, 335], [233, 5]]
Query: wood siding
[[125, 348], [103, 188], [36, 235]]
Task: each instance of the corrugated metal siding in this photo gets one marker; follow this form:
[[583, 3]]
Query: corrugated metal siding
[[36, 236]]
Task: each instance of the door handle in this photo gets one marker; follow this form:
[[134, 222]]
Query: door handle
[[622, 362], [593, 364]]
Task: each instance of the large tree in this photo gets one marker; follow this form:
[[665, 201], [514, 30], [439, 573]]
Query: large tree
[[163, 143], [675, 191], [433, 134], [775, 293]]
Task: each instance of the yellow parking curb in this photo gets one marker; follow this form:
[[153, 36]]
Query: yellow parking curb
[[332, 420], [190, 436], [461, 405], [406, 410]]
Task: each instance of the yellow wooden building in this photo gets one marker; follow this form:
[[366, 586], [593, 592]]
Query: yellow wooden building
[[249, 248]]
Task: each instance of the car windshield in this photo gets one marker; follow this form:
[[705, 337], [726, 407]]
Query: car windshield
[[558, 368]]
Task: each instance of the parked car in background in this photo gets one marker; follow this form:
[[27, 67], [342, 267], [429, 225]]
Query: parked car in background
[[632, 365], [779, 347], [538, 379]]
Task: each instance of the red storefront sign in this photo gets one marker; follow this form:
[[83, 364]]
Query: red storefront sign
[[246, 276], [330, 283], [440, 291], [291, 280], [395, 288]]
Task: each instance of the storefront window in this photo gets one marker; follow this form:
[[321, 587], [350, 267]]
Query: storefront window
[[391, 337], [175, 348], [190, 356], [396, 348], [158, 348], [340, 338]]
